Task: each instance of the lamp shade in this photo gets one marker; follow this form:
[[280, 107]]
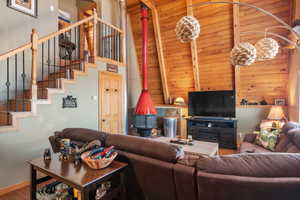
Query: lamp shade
[[267, 48], [243, 54], [276, 113], [187, 29]]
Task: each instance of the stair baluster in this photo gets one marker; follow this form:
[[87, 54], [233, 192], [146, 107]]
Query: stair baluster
[[21, 92], [54, 60], [7, 91], [16, 82], [23, 81]]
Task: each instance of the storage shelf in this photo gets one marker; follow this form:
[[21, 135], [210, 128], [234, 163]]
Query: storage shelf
[[257, 106], [113, 193], [238, 106], [170, 106]]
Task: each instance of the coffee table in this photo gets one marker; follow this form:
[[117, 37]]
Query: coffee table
[[80, 177], [198, 147]]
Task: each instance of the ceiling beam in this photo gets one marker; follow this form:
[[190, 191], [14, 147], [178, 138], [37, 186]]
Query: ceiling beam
[[150, 4], [195, 60], [236, 23], [159, 47], [237, 39]]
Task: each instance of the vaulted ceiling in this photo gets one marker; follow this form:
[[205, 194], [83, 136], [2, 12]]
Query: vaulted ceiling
[[264, 80], [131, 3]]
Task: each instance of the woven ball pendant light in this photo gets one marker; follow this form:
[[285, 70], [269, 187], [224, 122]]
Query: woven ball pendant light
[[187, 29], [244, 54], [267, 48]]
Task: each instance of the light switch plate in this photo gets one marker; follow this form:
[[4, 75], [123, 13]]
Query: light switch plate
[[51, 8], [94, 98]]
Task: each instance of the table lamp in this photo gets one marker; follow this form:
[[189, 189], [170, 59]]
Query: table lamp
[[277, 115]]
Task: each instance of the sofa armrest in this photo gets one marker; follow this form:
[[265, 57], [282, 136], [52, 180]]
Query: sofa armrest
[[250, 137], [54, 143]]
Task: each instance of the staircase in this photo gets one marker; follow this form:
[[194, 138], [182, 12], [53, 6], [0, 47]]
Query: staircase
[[41, 68]]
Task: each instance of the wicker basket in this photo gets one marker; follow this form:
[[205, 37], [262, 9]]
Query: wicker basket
[[98, 164]]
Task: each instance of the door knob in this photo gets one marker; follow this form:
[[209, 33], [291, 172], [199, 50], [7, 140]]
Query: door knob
[[103, 120]]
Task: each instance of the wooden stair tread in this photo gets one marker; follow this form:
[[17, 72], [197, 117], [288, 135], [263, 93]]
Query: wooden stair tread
[[5, 118], [67, 63], [15, 105], [22, 103]]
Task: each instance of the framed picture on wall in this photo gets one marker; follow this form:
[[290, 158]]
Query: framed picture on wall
[[28, 7], [280, 102]]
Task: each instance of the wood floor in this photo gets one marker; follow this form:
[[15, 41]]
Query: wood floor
[[23, 194], [227, 151]]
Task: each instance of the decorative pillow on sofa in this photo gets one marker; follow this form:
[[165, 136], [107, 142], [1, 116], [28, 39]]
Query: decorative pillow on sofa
[[267, 138]]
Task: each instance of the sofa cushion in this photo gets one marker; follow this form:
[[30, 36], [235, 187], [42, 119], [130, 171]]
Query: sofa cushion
[[253, 165], [228, 187], [293, 149], [145, 147], [81, 134], [294, 136], [247, 147], [185, 182], [290, 125], [153, 177], [283, 143], [250, 137]]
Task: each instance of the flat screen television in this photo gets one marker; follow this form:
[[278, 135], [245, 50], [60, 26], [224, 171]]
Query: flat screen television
[[212, 104]]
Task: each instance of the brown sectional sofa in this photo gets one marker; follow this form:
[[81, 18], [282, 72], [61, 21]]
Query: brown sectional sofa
[[156, 173], [289, 141], [249, 176]]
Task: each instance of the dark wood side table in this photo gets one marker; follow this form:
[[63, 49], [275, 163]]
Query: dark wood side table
[[80, 177]]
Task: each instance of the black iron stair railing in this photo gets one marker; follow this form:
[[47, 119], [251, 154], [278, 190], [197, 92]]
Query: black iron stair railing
[[27, 72]]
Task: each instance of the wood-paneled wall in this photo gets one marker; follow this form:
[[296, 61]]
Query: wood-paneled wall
[[155, 84], [264, 80], [214, 46], [269, 79], [177, 55]]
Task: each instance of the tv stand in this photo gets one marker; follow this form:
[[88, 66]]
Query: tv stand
[[214, 129]]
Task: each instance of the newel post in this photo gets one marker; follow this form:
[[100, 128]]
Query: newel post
[[34, 47], [95, 22], [34, 59]]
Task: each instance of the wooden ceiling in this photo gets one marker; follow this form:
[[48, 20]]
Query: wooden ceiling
[[264, 80], [132, 3]]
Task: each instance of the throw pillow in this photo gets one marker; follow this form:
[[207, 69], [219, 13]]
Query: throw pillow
[[267, 138]]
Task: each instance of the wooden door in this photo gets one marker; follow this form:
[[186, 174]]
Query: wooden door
[[110, 103]]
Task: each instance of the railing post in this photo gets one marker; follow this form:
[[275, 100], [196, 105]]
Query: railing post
[[34, 47], [34, 60], [95, 34], [123, 34]]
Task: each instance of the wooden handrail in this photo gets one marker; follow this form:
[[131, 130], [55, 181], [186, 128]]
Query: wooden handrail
[[43, 39], [48, 37], [92, 18], [15, 51], [110, 25]]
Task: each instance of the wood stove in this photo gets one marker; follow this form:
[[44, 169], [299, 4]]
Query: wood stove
[[145, 112]]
